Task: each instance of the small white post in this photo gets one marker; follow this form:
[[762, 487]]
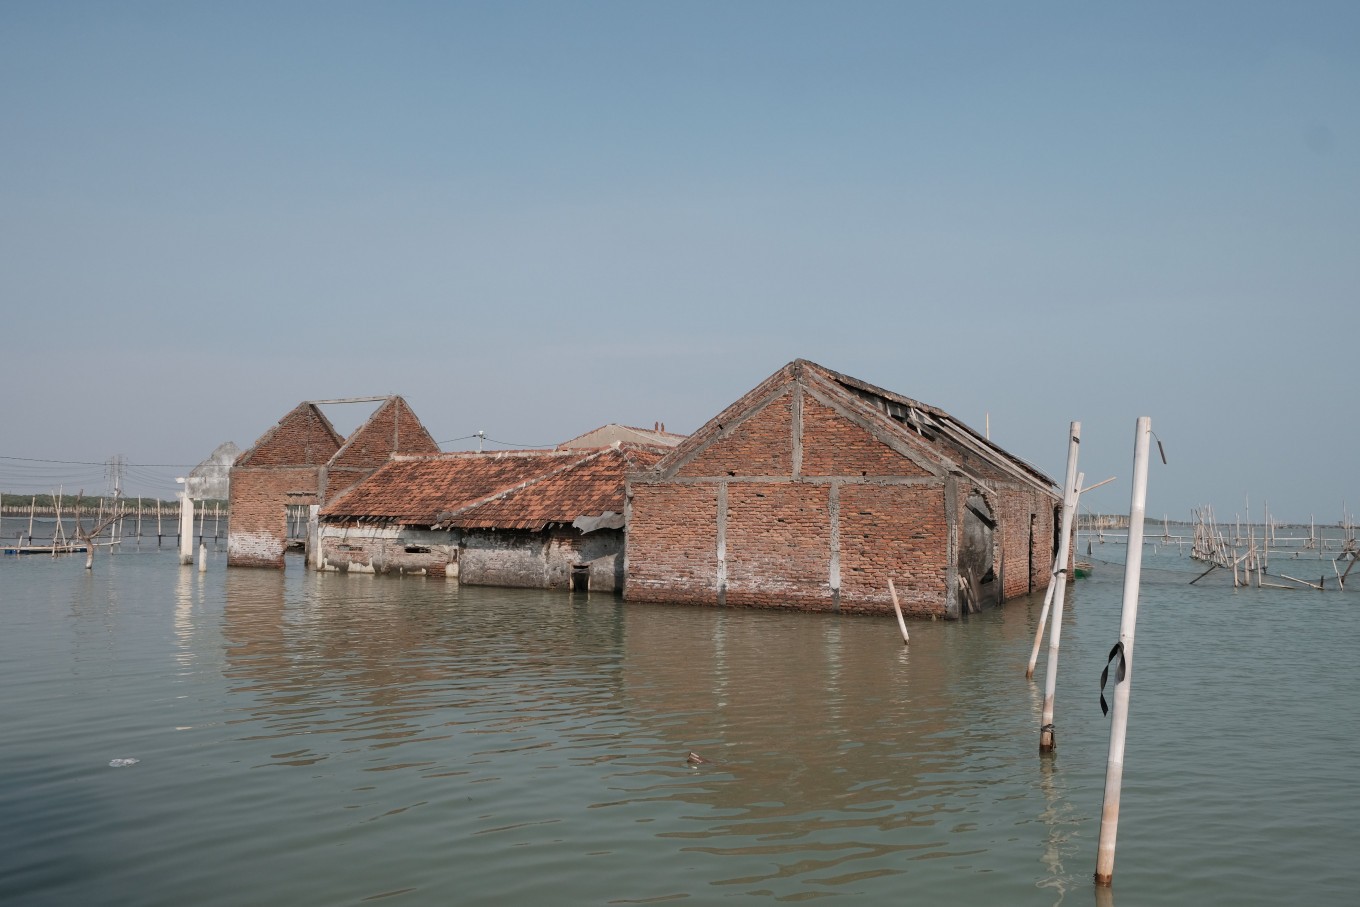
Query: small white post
[[202, 557], [1119, 717], [1070, 486]]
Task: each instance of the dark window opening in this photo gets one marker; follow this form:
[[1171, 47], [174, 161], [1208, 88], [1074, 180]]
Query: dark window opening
[[580, 577], [417, 549]]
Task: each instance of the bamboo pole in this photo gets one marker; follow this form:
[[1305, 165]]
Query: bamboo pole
[[1133, 565], [1295, 579], [901, 622], [1070, 485]]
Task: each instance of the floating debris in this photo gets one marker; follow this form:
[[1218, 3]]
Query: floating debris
[[120, 763]]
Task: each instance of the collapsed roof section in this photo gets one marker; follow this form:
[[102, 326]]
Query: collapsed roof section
[[510, 490]]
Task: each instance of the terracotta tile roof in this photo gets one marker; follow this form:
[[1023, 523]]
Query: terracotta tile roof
[[590, 486], [414, 490], [504, 490]]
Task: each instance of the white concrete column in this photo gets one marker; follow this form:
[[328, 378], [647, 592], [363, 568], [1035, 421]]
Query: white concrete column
[[186, 528]]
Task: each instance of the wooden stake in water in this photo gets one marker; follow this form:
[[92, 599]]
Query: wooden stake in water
[[901, 622], [1070, 486], [1119, 719]]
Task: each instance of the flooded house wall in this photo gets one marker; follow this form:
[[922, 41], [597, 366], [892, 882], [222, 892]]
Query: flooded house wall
[[543, 560], [797, 506], [303, 461], [257, 534], [515, 558], [388, 549], [1025, 540]]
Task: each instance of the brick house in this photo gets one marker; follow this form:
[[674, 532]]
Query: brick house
[[534, 519], [815, 488], [303, 461]]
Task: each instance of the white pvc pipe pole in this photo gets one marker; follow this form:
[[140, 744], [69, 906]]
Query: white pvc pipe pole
[[1119, 717], [1070, 485], [1055, 576], [1043, 621]]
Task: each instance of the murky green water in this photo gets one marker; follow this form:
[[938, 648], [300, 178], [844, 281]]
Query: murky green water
[[314, 739]]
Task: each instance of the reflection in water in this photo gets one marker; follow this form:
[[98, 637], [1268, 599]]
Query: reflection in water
[[835, 756], [832, 755], [349, 738]]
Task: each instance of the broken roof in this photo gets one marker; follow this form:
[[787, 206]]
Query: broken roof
[[504, 490], [901, 421]]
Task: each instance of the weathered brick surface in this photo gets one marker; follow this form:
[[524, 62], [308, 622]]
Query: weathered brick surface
[[800, 505], [834, 446], [760, 446], [778, 545], [303, 437], [893, 532], [259, 501], [672, 548], [302, 460], [1028, 524]]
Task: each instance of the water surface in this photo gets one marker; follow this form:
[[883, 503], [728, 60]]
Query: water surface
[[332, 739]]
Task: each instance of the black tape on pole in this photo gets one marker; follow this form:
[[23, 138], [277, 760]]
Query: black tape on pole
[[1118, 650]]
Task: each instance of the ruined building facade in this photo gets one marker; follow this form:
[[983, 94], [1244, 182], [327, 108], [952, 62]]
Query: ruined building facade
[[814, 489]]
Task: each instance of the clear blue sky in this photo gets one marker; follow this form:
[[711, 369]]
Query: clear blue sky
[[534, 218]]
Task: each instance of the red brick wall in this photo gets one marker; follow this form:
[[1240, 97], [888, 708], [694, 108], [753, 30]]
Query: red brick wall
[[1028, 555], [755, 519], [779, 545], [259, 499], [833, 446], [760, 446], [897, 532], [811, 542], [672, 544], [300, 439]]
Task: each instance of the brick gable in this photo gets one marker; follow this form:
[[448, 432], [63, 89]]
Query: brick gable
[[760, 445]]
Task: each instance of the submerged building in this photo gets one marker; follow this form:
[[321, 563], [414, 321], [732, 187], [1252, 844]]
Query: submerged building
[[301, 463], [815, 489], [535, 519]]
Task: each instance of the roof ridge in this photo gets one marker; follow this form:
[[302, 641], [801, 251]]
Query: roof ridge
[[447, 515]]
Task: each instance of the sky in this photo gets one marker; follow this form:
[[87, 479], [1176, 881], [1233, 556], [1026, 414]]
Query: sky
[[533, 218]]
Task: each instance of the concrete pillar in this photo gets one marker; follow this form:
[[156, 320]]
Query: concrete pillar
[[314, 537], [186, 528]]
